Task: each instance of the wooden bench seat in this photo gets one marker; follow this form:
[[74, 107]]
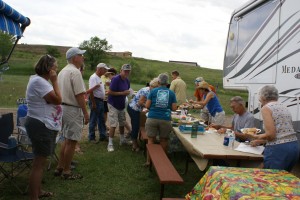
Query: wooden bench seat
[[165, 170]]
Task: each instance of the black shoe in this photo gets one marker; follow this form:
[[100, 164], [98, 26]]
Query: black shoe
[[103, 139]]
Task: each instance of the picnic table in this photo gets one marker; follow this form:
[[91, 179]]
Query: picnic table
[[210, 146], [246, 183]]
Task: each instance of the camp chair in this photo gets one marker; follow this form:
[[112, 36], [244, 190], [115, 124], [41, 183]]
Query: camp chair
[[25, 141], [13, 160]]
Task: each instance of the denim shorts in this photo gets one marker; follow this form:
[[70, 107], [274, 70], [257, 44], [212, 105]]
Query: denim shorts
[[281, 156], [42, 138]]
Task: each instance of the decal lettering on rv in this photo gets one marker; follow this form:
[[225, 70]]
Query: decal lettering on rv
[[288, 70]]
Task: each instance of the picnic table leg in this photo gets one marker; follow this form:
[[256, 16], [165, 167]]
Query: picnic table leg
[[162, 188], [188, 159]]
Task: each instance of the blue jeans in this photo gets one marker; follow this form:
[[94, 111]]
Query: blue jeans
[[97, 117], [281, 156], [135, 122]]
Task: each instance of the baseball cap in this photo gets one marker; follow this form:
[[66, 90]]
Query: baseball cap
[[126, 67], [102, 65], [73, 52]]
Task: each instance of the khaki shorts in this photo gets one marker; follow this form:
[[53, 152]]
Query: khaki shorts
[[159, 127], [219, 118], [116, 116], [72, 122]]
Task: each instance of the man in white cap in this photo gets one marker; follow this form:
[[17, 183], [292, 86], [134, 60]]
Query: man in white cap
[[118, 90], [96, 103], [72, 88]]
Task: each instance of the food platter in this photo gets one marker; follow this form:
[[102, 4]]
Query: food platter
[[250, 130]]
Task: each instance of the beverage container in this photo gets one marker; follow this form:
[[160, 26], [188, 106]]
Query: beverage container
[[231, 138], [12, 141], [194, 130], [231, 141], [226, 140]]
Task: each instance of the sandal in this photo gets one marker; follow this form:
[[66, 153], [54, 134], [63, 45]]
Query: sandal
[[58, 171], [71, 176], [46, 194], [136, 149]]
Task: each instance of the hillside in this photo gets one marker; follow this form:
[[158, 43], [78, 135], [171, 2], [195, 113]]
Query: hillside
[[24, 57]]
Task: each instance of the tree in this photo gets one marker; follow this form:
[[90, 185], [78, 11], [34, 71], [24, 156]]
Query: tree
[[6, 44], [53, 51], [95, 51]]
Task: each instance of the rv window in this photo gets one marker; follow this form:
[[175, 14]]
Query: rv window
[[243, 28]]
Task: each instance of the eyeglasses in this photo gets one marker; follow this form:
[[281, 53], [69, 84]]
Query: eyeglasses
[[197, 81]]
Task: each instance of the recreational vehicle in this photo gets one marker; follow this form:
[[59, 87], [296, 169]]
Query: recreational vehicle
[[263, 47]]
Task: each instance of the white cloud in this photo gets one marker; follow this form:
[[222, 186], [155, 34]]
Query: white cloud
[[188, 30]]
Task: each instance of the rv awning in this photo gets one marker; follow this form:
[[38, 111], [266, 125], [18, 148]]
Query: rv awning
[[11, 21]]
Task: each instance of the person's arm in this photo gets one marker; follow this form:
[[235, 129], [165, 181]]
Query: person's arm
[[148, 104], [54, 96], [122, 93], [270, 129], [174, 106], [142, 101], [209, 96], [81, 103], [89, 91]]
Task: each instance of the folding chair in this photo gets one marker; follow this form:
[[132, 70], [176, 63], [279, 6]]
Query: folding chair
[[13, 160]]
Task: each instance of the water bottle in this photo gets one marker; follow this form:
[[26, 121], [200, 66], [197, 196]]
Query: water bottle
[[12, 141], [231, 140], [194, 130]]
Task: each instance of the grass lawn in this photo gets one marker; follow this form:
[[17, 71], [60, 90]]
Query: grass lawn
[[115, 175]]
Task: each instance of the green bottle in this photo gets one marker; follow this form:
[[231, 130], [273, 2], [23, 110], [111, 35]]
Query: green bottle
[[194, 130]]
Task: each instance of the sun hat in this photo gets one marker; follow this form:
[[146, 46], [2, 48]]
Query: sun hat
[[126, 67], [102, 65], [203, 85], [73, 52], [199, 79]]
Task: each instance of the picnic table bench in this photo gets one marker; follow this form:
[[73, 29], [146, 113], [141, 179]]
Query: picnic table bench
[[165, 170]]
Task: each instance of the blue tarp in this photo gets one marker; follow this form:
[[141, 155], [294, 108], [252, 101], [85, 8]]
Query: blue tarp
[[11, 21]]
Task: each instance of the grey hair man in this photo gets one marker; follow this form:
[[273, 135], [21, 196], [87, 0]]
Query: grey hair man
[[241, 119], [72, 88]]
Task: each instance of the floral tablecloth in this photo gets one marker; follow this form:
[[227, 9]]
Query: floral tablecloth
[[246, 183]]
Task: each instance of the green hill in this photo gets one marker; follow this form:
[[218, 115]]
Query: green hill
[[25, 56]]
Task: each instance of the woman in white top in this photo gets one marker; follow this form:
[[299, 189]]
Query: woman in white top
[[43, 119], [282, 149]]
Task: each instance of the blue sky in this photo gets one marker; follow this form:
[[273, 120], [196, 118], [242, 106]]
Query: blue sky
[[186, 30]]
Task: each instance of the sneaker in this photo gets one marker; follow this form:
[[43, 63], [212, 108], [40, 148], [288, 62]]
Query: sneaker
[[125, 142], [110, 148]]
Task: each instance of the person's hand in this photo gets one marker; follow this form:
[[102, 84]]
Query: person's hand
[[222, 130], [53, 75], [215, 126], [126, 92], [86, 118], [254, 143], [96, 86]]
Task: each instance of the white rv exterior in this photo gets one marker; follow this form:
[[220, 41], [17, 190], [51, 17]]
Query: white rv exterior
[[263, 47]]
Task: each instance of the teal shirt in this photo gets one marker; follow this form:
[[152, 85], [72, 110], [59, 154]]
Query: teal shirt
[[161, 103]]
